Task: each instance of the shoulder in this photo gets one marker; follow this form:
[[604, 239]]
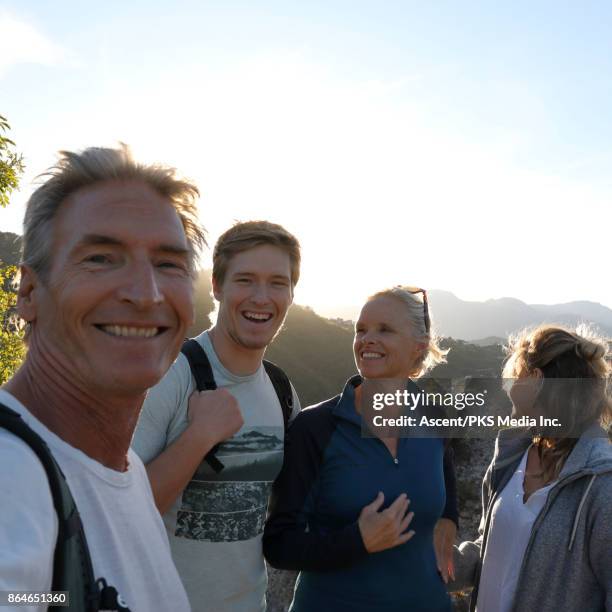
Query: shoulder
[[309, 435], [167, 394], [596, 496], [178, 377], [20, 462], [601, 491], [28, 529], [163, 411], [316, 418]]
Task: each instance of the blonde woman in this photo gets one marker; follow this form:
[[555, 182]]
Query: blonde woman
[[546, 530], [356, 515]]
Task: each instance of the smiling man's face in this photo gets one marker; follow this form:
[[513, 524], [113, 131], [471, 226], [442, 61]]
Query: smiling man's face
[[255, 296], [118, 298]]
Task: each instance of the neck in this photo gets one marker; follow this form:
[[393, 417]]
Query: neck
[[238, 359], [99, 424], [369, 386]]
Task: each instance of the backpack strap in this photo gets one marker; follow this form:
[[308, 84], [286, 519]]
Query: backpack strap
[[282, 386], [205, 381], [199, 365], [72, 566]]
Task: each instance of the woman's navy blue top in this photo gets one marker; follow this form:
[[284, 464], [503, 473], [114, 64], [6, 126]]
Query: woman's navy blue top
[[329, 474]]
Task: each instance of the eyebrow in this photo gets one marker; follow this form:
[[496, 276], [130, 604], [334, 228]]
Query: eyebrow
[[281, 276], [102, 240]]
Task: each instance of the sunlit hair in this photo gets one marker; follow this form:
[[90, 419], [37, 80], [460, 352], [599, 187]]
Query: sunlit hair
[[433, 354], [248, 235], [92, 166], [564, 353]]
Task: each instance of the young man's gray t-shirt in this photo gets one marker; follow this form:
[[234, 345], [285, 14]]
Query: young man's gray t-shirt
[[215, 526]]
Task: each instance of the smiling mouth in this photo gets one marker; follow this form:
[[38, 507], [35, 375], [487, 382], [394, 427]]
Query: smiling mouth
[[125, 331], [367, 355], [257, 317]]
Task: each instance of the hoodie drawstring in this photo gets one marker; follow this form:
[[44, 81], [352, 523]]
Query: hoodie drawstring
[[584, 495]]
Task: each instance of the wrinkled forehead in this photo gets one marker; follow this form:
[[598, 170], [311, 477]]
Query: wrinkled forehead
[[129, 212]]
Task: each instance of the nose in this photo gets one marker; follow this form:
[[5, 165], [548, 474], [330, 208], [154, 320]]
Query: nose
[[260, 294], [368, 337], [141, 287]]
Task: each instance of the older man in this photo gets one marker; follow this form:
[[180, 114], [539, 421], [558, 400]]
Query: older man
[[106, 291]]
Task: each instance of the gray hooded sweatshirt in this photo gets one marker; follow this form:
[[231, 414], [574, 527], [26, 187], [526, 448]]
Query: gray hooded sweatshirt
[[567, 564]]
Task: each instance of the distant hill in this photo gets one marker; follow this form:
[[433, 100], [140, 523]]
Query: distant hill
[[489, 341], [316, 353], [473, 320], [495, 319]]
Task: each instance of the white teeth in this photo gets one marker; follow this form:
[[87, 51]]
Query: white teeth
[[258, 316], [130, 332], [371, 355]]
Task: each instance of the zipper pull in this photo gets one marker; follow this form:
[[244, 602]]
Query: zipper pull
[[396, 461]]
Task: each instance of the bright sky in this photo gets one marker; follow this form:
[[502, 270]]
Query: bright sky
[[463, 146]]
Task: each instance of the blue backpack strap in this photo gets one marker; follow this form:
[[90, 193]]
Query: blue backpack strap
[[282, 386], [72, 567], [205, 381]]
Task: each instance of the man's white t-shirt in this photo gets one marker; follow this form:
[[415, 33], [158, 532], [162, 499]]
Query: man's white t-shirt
[[125, 534], [216, 525]]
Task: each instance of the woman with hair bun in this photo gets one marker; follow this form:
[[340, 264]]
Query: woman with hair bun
[[546, 529], [356, 515]]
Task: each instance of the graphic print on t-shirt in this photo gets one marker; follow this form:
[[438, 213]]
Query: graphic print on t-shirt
[[231, 506]]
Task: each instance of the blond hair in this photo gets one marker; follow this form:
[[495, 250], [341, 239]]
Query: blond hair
[[248, 235], [564, 353], [433, 354], [94, 165]]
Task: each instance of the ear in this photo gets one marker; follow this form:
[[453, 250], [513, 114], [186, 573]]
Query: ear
[[216, 287], [539, 377], [27, 294]]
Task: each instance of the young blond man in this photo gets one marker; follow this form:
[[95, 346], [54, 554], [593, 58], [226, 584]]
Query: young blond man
[[215, 516]]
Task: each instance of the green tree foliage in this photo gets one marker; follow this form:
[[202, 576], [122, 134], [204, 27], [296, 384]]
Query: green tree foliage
[[11, 164], [11, 337]]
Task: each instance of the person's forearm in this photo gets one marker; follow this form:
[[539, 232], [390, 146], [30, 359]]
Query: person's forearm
[[291, 548], [170, 472]]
